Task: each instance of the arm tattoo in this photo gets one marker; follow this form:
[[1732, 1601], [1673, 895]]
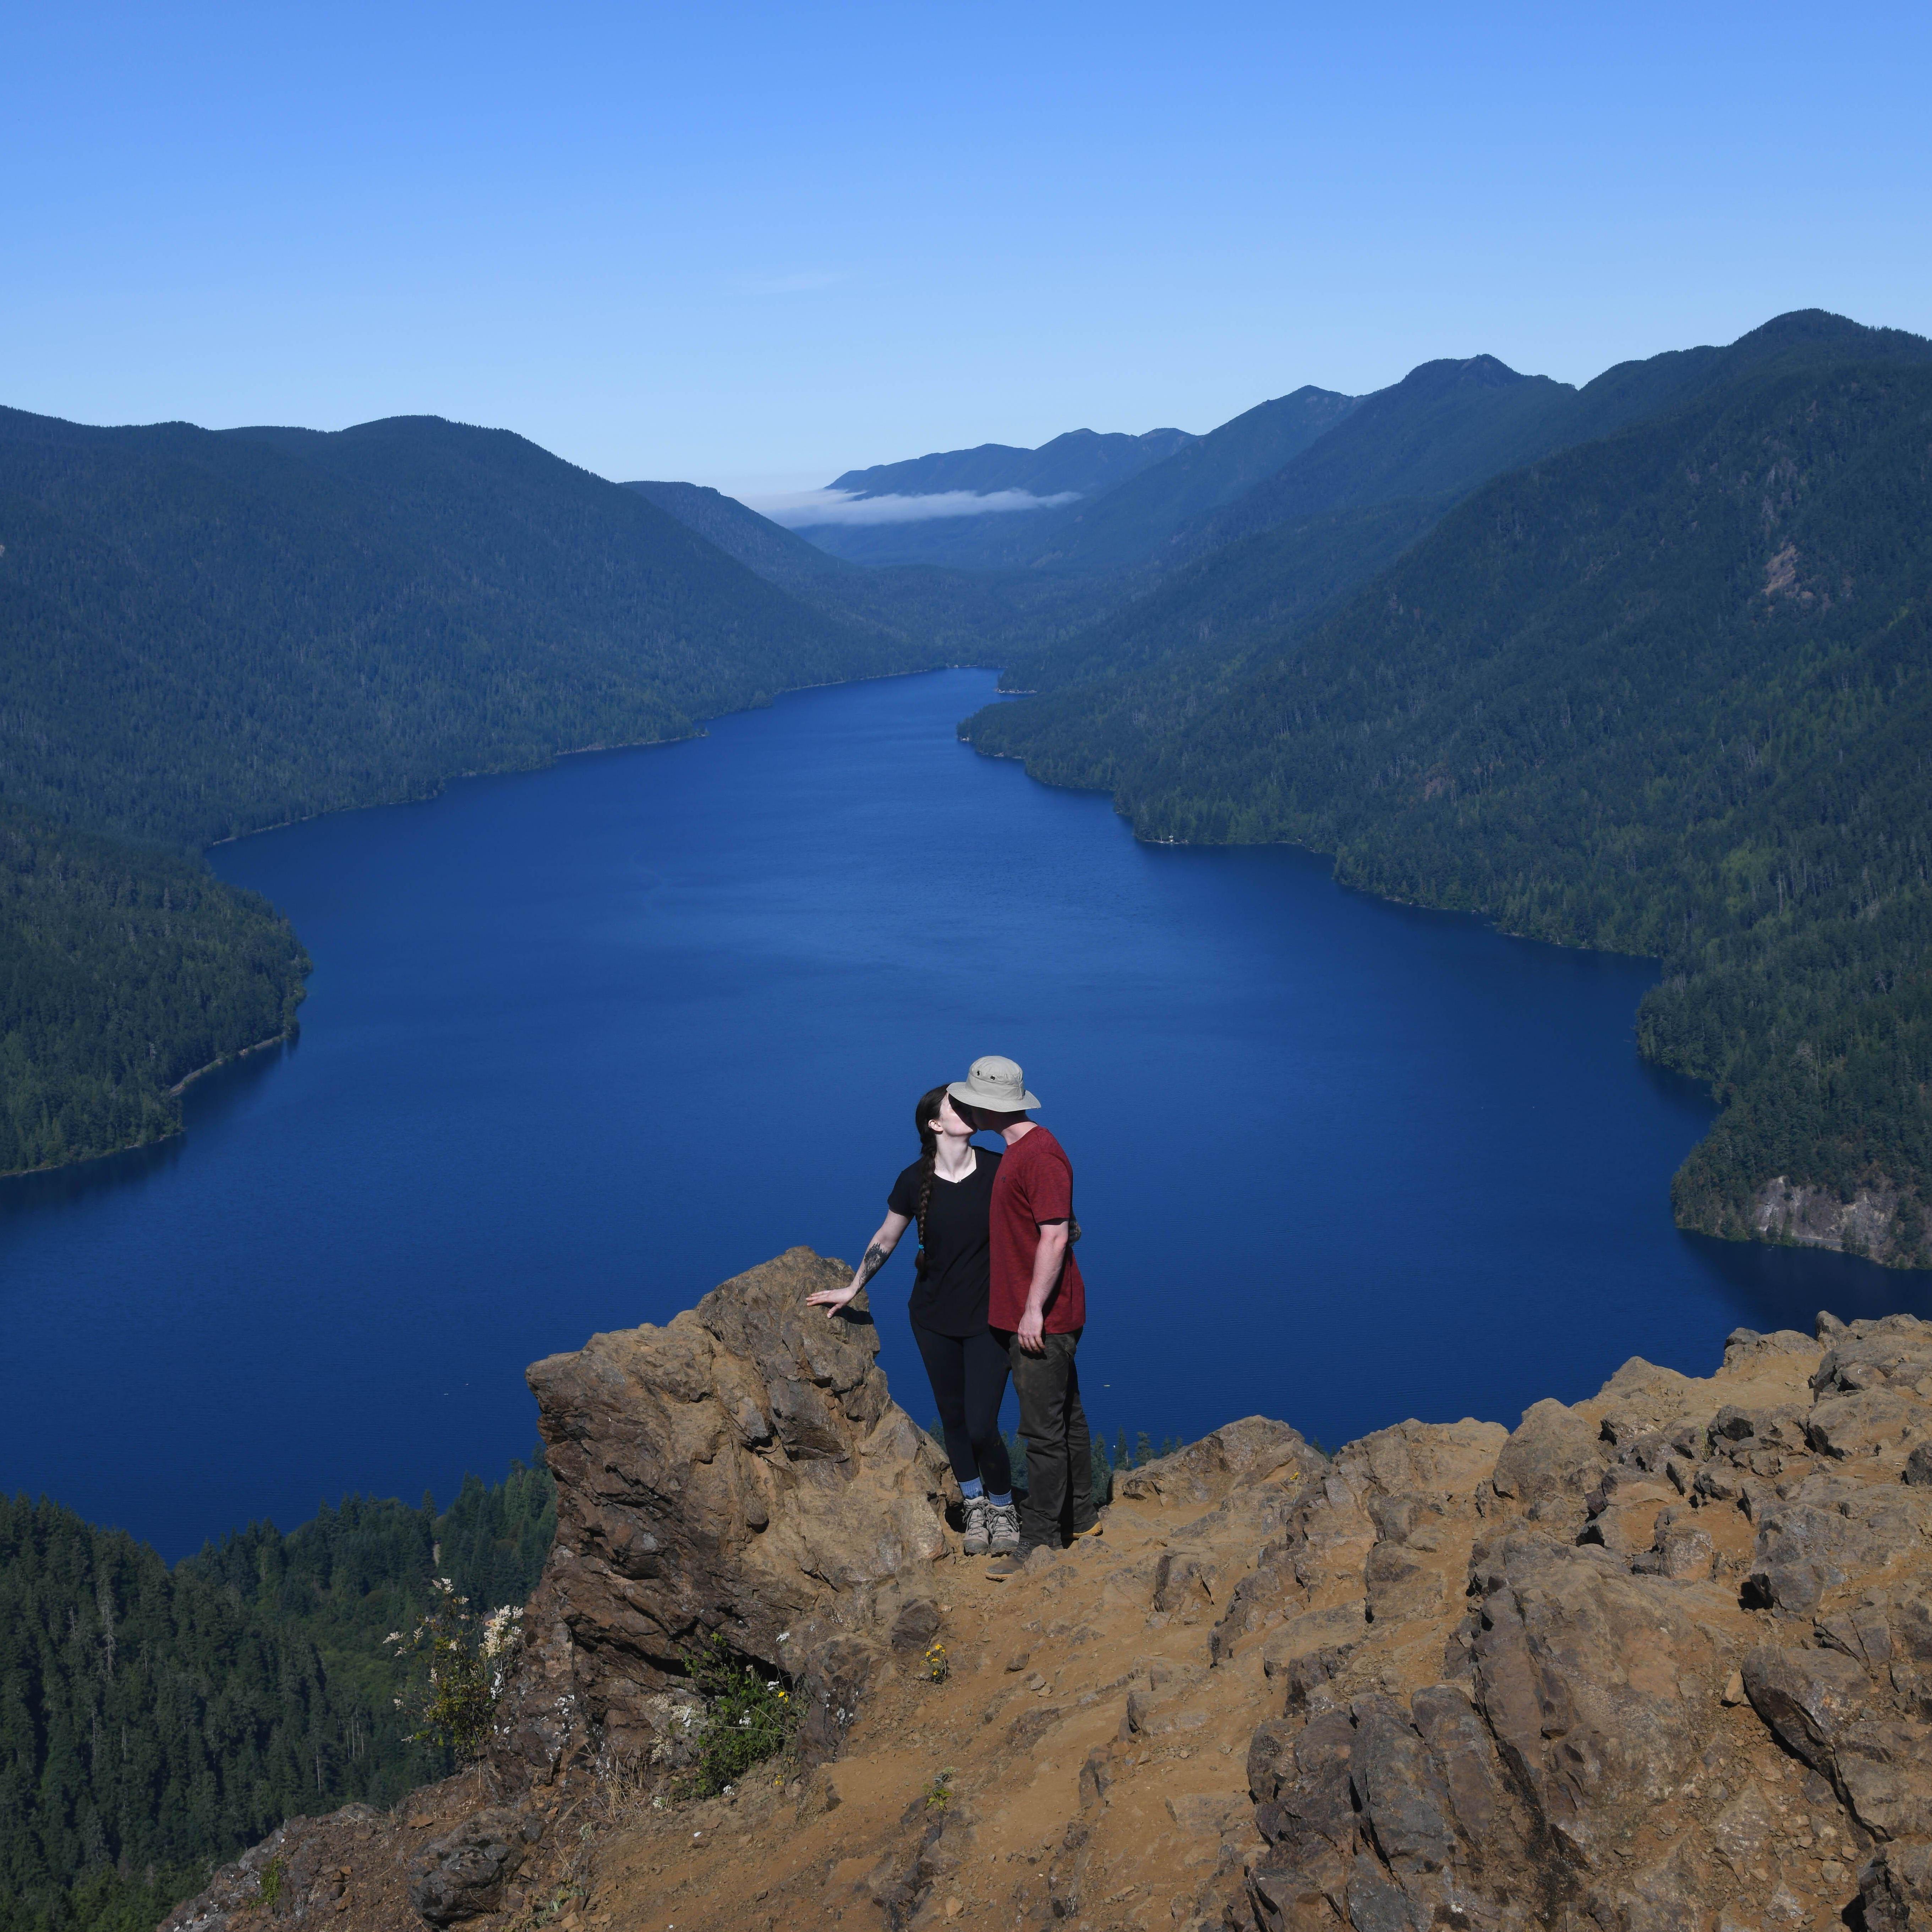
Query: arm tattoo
[[875, 1259]]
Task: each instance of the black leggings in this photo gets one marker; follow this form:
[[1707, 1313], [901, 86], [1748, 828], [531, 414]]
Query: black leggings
[[968, 1374]]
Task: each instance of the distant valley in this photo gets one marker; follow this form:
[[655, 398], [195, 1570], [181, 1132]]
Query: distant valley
[[1639, 664]]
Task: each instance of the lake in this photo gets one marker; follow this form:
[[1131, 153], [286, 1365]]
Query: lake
[[582, 1042]]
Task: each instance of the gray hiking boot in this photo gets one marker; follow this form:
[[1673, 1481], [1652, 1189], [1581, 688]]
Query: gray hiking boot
[[976, 1509], [1003, 1528]]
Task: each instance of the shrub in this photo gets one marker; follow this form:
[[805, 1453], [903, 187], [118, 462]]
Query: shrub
[[748, 1718], [467, 1663]]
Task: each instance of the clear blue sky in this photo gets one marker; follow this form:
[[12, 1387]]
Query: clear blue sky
[[755, 244]]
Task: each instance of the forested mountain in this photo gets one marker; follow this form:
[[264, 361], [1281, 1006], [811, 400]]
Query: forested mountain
[[1131, 527], [207, 634], [977, 617], [154, 1722], [1666, 692], [122, 971], [212, 633], [1124, 528], [1082, 461]]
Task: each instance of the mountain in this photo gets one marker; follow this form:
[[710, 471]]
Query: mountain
[[1123, 528], [979, 616], [1132, 525], [1082, 460], [209, 633], [1447, 427], [1665, 692]]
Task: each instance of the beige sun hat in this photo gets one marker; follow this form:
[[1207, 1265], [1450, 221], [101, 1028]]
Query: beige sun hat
[[996, 1084]]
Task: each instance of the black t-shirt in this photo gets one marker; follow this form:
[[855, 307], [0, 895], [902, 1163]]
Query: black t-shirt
[[950, 1296]]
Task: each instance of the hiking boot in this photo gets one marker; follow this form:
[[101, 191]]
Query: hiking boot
[[1002, 1529], [975, 1510], [1093, 1529]]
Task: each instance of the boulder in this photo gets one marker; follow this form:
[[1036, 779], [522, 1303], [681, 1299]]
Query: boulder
[[741, 1470], [463, 1873]]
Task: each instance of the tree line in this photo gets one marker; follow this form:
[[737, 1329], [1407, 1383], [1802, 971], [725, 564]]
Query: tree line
[[153, 1722]]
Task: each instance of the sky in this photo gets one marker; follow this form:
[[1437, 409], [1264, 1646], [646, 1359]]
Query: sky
[[755, 245]]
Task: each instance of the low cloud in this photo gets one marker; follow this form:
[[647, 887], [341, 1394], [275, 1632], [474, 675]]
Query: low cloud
[[800, 507]]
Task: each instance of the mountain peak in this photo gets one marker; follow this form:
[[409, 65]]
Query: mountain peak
[[1472, 372]]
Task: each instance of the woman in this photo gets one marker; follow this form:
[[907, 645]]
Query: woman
[[946, 1192]]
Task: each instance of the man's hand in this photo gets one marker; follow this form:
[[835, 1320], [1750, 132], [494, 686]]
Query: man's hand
[[1048, 1258]]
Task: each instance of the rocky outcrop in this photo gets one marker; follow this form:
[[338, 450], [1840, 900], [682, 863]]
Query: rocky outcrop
[[1680, 1688], [742, 1471], [1660, 1661], [1878, 1221]]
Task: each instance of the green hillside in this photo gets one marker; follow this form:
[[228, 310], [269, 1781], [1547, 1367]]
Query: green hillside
[[122, 971], [1131, 527], [211, 633], [154, 1722], [1126, 528], [967, 616], [208, 634], [1666, 693]]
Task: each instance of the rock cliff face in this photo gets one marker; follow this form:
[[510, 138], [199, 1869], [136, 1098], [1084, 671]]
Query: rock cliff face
[[1660, 1662], [741, 1470]]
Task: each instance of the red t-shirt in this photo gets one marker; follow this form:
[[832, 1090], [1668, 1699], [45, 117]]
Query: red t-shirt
[[1035, 1184]]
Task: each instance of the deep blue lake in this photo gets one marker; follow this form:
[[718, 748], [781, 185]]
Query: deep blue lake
[[580, 1043]]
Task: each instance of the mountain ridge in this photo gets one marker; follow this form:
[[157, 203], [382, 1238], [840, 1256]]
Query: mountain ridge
[[211, 632], [1084, 460], [1657, 692]]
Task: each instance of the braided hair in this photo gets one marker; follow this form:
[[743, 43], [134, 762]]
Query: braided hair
[[924, 1115]]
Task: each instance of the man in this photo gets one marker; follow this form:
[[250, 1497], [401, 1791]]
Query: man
[[1038, 1301]]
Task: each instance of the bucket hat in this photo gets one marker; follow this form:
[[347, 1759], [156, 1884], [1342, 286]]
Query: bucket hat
[[996, 1084]]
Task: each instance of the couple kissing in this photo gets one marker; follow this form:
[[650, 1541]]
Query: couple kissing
[[997, 1292]]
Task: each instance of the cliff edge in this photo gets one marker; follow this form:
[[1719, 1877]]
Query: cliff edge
[[1658, 1662]]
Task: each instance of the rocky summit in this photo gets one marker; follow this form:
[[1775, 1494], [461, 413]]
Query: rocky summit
[[1658, 1662]]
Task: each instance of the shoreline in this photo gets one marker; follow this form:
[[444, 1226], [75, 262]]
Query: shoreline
[[188, 1080]]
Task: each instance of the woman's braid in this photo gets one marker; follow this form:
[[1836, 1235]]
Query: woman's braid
[[929, 1104]]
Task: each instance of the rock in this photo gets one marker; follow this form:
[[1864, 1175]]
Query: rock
[[1808, 1697], [463, 1874], [831, 1690], [1868, 1422], [916, 1625], [1248, 1451], [1182, 1582], [665, 1441], [1895, 1889], [1658, 1661], [1550, 1462]]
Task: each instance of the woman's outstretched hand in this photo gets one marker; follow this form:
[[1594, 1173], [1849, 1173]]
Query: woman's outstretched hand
[[831, 1299]]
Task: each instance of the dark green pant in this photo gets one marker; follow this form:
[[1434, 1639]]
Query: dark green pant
[[1059, 1448]]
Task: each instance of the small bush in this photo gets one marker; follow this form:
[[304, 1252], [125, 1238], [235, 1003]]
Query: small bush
[[748, 1718], [467, 1662]]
